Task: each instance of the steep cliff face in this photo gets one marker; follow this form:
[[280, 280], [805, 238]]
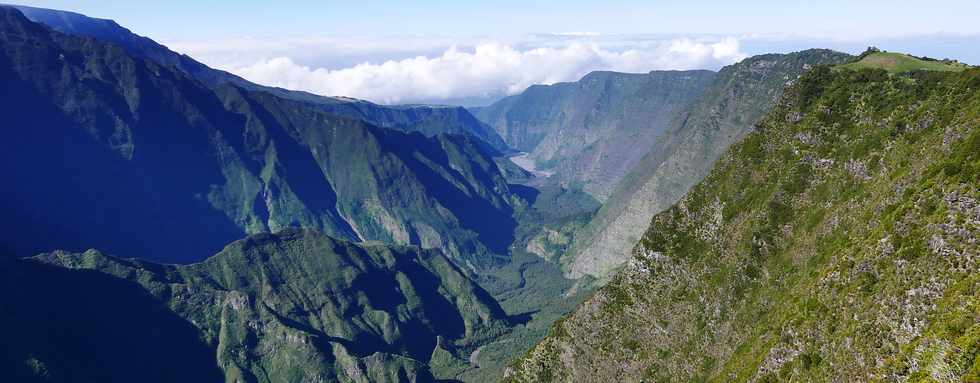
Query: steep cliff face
[[428, 120], [836, 242], [732, 104], [590, 133], [113, 151], [295, 306]]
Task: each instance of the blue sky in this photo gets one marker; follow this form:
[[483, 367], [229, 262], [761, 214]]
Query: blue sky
[[471, 52], [181, 19]]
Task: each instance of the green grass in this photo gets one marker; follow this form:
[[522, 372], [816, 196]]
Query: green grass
[[900, 62]]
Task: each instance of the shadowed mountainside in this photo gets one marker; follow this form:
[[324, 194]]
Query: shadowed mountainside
[[294, 306], [61, 325], [116, 152]]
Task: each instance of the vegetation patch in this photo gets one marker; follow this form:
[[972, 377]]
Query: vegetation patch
[[837, 242]]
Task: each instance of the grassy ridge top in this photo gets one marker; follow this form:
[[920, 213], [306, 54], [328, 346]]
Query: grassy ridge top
[[900, 62]]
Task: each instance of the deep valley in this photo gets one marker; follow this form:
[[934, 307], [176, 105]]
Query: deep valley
[[803, 216]]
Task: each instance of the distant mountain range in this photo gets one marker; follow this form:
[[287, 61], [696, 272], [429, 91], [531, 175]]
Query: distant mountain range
[[638, 142], [113, 151], [429, 120], [590, 133], [729, 108]]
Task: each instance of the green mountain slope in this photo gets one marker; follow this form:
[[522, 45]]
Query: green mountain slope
[[590, 133], [409, 118], [837, 242], [900, 62], [295, 306], [116, 152], [61, 325], [727, 110]]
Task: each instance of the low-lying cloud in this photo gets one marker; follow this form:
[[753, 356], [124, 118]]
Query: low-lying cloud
[[486, 70]]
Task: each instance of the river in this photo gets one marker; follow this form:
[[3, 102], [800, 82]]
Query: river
[[525, 162]]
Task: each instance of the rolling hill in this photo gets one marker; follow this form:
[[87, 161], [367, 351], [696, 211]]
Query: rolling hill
[[900, 62]]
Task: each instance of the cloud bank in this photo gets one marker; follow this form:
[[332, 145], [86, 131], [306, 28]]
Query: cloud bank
[[486, 70]]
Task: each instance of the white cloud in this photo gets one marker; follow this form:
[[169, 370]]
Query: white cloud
[[486, 70], [578, 34], [329, 52]]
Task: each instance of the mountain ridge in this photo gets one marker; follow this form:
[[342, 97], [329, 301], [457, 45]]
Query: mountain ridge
[[296, 305], [426, 119], [93, 132], [837, 242], [590, 132]]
